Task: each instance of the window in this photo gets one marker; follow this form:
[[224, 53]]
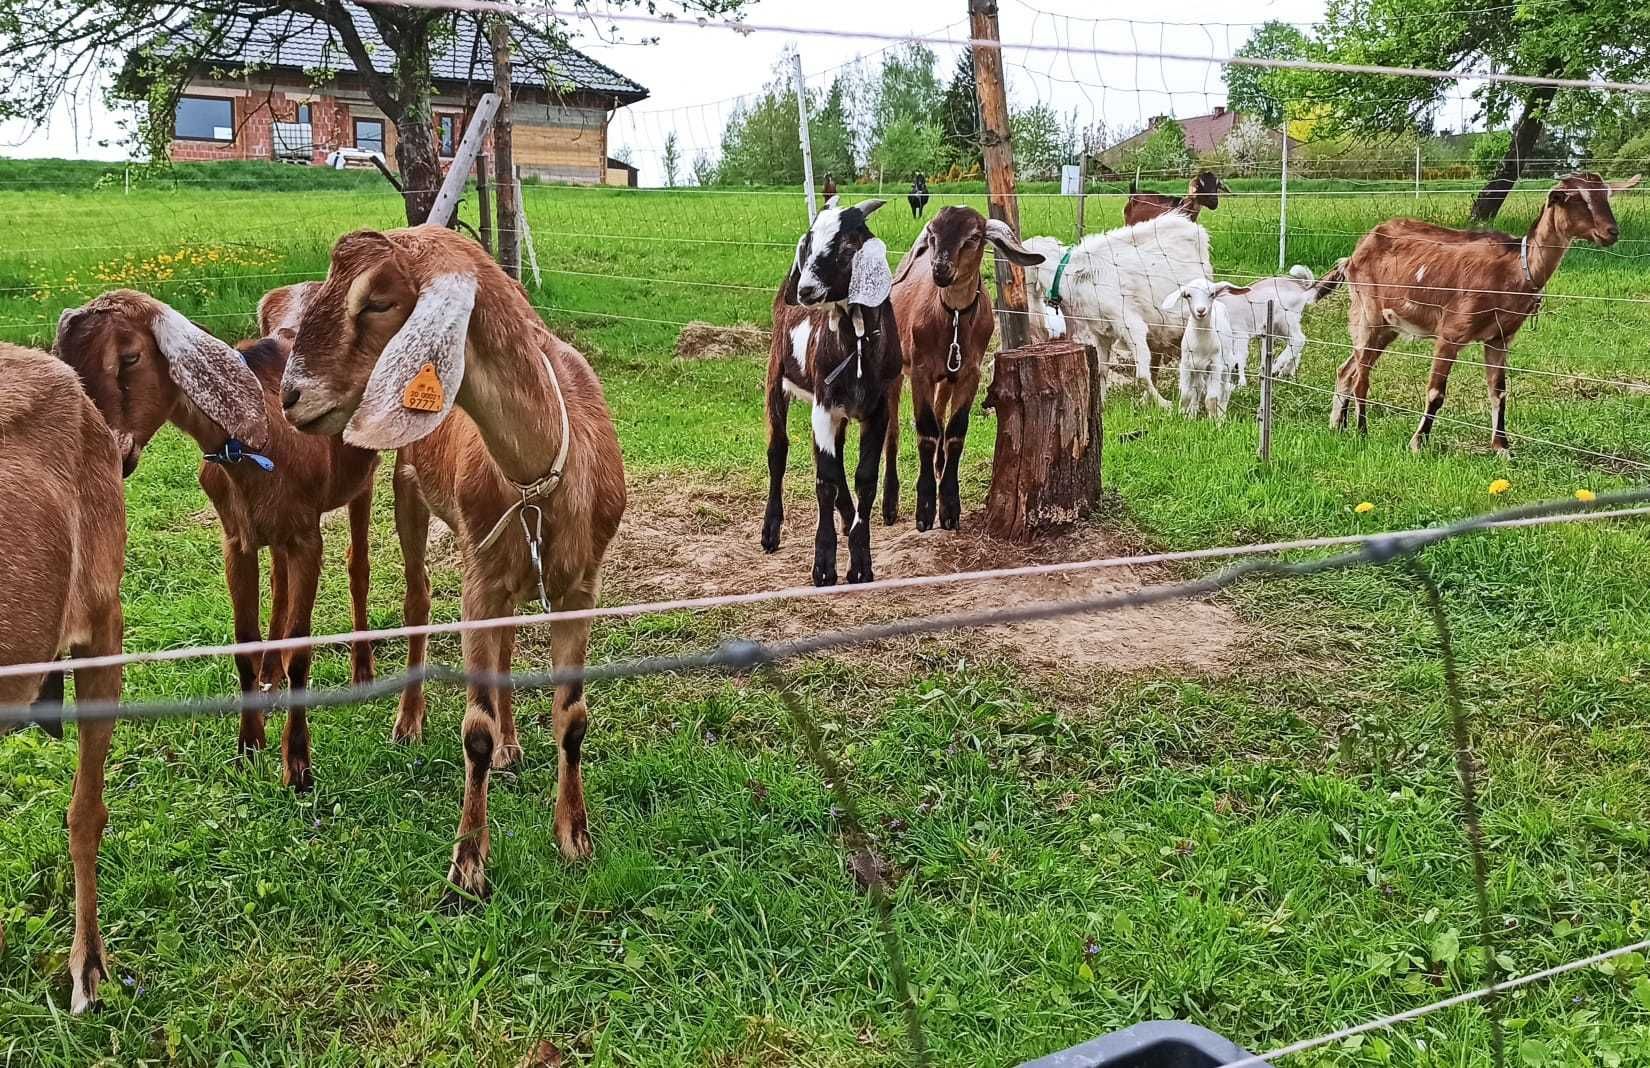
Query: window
[[204, 118], [446, 127], [369, 135], [303, 114]]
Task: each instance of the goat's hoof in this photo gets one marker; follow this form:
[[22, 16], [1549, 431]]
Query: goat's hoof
[[824, 576], [770, 534], [299, 776], [1504, 452], [950, 520], [573, 836], [87, 969], [466, 885], [506, 756], [364, 673], [248, 745], [859, 573]]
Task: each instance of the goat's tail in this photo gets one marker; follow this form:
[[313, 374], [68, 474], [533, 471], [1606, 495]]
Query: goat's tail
[[1303, 274], [1331, 281]]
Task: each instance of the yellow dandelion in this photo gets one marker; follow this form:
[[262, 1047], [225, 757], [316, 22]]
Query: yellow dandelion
[[1499, 486], [1364, 508], [1586, 496]]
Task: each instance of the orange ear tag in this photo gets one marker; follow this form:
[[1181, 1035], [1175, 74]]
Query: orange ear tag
[[424, 392]]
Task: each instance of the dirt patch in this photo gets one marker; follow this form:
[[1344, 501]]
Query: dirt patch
[[687, 540], [707, 341]]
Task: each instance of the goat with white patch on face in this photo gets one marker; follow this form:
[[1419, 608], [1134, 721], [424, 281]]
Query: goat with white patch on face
[[835, 346]]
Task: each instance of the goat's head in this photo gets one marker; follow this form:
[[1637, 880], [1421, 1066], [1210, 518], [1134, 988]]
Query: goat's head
[[838, 260], [1200, 296], [1206, 188], [955, 242], [380, 318], [139, 358], [1582, 204]]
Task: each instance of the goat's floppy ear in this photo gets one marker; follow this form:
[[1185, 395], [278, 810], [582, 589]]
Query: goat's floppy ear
[[787, 294], [871, 281], [415, 382], [868, 208], [831, 202], [1228, 287], [212, 375], [1623, 185], [66, 321], [1174, 298], [914, 253], [999, 234]]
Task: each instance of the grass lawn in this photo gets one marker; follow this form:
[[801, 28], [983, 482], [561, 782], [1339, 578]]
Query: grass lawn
[[1272, 851]]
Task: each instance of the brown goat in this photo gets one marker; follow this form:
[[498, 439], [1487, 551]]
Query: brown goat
[[63, 523], [1203, 191], [1459, 286], [407, 325], [945, 322], [280, 507]]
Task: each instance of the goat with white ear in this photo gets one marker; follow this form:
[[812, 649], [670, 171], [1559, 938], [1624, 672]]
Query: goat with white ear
[[1289, 296], [1207, 355], [837, 348]]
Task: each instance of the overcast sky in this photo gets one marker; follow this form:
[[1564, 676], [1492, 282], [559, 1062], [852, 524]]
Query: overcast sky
[[695, 75]]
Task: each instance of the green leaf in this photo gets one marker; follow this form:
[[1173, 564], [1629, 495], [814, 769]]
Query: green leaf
[[1533, 1052], [1447, 946], [1085, 973]]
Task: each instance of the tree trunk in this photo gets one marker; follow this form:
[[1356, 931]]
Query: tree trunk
[[1045, 473], [1525, 134], [415, 147]]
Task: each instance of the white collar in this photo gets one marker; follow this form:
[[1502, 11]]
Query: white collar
[[1524, 258]]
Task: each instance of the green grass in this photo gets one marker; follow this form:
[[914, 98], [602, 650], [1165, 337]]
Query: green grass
[[1273, 852]]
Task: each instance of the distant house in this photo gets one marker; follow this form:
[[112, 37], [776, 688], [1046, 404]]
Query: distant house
[[261, 98], [621, 173], [1204, 134]]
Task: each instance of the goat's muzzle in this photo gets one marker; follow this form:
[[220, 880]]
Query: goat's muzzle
[[945, 274]]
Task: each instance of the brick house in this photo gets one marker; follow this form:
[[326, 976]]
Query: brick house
[[1205, 134], [285, 89]]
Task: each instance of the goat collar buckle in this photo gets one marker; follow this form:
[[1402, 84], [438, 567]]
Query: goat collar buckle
[[234, 451], [953, 357]]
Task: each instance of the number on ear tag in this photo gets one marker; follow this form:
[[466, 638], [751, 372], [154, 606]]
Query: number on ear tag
[[424, 392]]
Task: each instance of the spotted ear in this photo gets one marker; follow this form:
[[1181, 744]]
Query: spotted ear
[[871, 281], [415, 382], [213, 376]]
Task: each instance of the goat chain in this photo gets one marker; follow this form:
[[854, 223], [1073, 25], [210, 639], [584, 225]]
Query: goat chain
[[953, 358], [535, 546]]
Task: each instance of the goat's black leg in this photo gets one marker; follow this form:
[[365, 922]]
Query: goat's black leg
[[844, 496], [928, 448], [778, 407], [827, 473], [956, 429], [872, 436]]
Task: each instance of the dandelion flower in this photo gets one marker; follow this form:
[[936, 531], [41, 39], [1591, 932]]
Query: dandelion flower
[[1499, 486], [1586, 495], [1364, 508]]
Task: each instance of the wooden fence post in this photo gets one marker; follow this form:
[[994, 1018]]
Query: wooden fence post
[[999, 167], [458, 174], [504, 162]]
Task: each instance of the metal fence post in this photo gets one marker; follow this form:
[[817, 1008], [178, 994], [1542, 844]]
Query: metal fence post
[[1265, 388], [1417, 168], [802, 132], [1283, 204]]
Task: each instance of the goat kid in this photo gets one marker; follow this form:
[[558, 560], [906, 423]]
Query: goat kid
[[63, 523], [418, 341], [945, 321], [126, 345], [1289, 295], [1203, 191], [1460, 286], [836, 346], [1207, 352]]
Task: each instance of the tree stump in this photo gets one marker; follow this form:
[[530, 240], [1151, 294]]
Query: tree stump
[[1045, 473]]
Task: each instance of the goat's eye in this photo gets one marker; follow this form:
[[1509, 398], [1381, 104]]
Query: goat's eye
[[128, 359], [378, 306]]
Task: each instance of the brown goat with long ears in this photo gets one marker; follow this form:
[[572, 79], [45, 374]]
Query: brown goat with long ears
[[1459, 286], [408, 326], [273, 496], [1203, 191], [945, 322], [63, 523]]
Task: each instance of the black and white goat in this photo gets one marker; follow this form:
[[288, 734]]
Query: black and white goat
[[836, 347]]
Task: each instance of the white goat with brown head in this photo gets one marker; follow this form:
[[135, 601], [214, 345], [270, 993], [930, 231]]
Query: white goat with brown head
[[407, 327]]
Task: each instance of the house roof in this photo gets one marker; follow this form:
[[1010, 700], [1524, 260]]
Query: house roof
[[293, 41], [1204, 133]]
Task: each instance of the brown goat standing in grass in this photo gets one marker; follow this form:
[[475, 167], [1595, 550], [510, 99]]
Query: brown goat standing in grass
[[945, 321], [408, 325], [279, 507], [1203, 191], [63, 524], [1459, 286]]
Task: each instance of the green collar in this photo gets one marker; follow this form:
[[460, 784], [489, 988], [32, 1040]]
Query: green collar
[[1059, 273]]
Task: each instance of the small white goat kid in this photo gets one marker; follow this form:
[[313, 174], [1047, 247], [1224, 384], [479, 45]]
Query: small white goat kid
[[1207, 350], [1246, 308]]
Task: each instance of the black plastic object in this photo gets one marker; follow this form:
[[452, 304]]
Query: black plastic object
[[1160, 1044]]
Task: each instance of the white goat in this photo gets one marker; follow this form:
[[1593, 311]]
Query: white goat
[[1112, 288], [1207, 352], [1289, 294]]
